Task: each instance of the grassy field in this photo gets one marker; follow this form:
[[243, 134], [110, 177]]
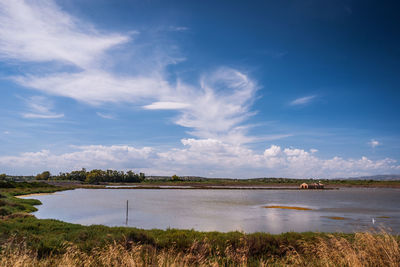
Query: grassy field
[[27, 241]]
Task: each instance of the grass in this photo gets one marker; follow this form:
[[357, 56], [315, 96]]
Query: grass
[[365, 249], [11, 205], [286, 207], [48, 237]]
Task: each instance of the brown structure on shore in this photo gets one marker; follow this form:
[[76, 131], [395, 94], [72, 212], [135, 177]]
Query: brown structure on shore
[[312, 186], [304, 186]]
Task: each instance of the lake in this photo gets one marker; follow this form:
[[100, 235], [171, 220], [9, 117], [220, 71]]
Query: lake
[[344, 210]]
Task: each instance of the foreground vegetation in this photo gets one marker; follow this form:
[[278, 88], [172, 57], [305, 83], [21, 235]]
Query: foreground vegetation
[[365, 250], [27, 241]]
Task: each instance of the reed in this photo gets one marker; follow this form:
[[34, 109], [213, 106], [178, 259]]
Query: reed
[[365, 249]]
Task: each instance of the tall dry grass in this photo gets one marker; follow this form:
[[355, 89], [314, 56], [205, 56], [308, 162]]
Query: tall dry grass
[[114, 254], [366, 249]]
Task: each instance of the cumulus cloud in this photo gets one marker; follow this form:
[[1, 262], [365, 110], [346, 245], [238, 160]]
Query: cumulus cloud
[[95, 156], [206, 157], [302, 100], [374, 143]]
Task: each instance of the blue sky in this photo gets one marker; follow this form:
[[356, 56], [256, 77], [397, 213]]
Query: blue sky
[[209, 88]]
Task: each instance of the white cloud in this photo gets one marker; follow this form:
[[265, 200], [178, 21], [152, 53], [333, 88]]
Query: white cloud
[[96, 87], [40, 108], [206, 157], [219, 107], [178, 28], [105, 116], [273, 151], [215, 110], [95, 156], [39, 30], [166, 105], [41, 116], [374, 143], [302, 100]]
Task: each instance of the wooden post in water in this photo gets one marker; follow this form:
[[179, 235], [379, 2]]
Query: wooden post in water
[[126, 221]]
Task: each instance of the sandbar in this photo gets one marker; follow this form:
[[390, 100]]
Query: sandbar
[[34, 194], [286, 207]]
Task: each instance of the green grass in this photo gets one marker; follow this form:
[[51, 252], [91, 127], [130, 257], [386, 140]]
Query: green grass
[[49, 236], [12, 205]]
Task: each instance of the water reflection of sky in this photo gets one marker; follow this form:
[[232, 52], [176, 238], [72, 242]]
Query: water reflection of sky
[[227, 210]]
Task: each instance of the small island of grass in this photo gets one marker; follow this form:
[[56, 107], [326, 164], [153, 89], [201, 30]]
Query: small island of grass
[[335, 217]]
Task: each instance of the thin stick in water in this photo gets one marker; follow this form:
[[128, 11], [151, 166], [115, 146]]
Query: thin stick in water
[[126, 221]]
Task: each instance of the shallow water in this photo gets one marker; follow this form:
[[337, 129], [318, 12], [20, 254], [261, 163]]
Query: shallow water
[[227, 210]]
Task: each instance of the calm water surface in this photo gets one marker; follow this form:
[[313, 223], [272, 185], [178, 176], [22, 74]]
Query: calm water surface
[[227, 210]]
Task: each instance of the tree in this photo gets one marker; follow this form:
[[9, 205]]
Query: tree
[[95, 176], [78, 175], [175, 178], [3, 176], [142, 177], [131, 177], [43, 176]]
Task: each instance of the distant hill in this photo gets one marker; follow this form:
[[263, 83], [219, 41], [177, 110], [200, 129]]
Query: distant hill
[[383, 177]]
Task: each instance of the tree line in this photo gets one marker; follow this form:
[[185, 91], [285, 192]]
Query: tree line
[[95, 176]]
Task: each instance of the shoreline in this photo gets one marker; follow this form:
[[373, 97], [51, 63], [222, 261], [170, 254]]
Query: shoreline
[[215, 188], [34, 194], [207, 185]]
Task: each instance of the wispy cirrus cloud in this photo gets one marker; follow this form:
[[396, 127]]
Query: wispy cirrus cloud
[[105, 116], [42, 116], [40, 107], [166, 106], [29, 29], [40, 31], [96, 87], [178, 28], [301, 101]]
